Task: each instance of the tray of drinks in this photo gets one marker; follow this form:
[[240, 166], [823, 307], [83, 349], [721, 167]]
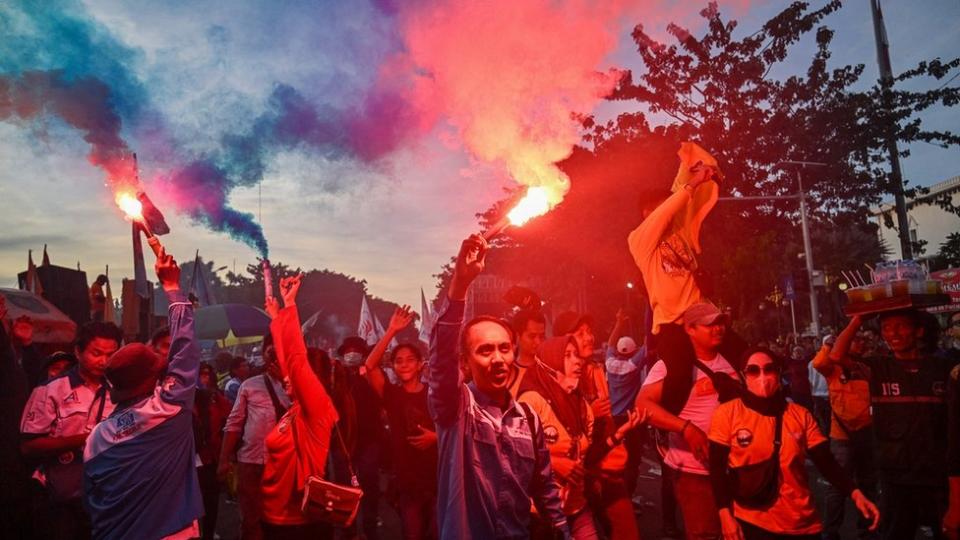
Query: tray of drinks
[[893, 303]]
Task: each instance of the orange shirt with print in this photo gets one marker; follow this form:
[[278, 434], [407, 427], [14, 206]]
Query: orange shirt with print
[[749, 435]]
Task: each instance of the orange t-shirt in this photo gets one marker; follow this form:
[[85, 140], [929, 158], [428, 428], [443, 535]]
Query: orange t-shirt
[[849, 390], [750, 438], [291, 460]]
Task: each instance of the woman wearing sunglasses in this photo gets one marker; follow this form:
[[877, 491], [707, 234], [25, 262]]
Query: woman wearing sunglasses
[[759, 478]]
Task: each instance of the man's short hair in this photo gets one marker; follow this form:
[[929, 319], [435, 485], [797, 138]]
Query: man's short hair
[[97, 329], [465, 332], [523, 318], [160, 333]]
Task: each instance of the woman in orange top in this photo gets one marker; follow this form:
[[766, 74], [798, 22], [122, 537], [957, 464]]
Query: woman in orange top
[[297, 446], [742, 433]]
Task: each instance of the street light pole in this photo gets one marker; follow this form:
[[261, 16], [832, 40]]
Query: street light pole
[[808, 252], [807, 248], [886, 83]]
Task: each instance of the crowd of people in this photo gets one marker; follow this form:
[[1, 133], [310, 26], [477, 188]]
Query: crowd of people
[[527, 428]]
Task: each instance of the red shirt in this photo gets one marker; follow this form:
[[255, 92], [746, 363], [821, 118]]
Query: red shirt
[[292, 459]]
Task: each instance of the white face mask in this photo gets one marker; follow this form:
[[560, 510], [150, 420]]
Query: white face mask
[[763, 386], [353, 359]]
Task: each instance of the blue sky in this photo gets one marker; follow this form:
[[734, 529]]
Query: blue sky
[[206, 69]]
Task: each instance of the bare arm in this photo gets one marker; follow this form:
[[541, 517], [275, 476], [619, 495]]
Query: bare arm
[[649, 398], [842, 346], [402, 316], [617, 331]]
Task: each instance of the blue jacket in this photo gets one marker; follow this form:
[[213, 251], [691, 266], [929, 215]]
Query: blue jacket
[[139, 473], [492, 461]]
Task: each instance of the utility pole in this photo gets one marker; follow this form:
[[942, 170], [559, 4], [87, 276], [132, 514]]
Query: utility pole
[[886, 84], [805, 229], [807, 248]]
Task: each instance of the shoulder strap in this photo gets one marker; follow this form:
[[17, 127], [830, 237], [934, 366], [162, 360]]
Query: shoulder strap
[[278, 409], [296, 444], [102, 394], [534, 430], [777, 436], [703, 367]]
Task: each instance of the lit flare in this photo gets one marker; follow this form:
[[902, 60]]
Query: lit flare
[[130, 206], [133, 208], [535, 203]]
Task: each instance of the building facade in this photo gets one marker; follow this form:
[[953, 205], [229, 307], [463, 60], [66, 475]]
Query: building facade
[[928, 222]]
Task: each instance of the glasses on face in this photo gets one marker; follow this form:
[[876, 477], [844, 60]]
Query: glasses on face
[[754, 370]]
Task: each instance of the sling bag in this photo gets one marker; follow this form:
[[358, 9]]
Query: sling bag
[[757, 485]]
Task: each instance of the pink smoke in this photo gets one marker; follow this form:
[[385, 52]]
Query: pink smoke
[[512, 78]]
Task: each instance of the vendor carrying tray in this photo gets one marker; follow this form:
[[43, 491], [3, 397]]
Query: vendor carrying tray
[[906, 301]]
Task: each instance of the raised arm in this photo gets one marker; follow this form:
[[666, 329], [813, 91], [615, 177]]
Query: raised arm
[[842, 346], [618, 328], [645, 238], [402, 316], [292, 353], [180, 383], [444, 367]]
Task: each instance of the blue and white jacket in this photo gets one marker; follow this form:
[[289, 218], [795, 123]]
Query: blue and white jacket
[[139, 473]]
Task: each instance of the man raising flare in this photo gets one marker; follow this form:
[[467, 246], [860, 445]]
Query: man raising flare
[[493, 457], [139, 474]]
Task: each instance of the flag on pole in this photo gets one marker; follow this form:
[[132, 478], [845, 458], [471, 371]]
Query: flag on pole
[[367, 329], [33, 279], [46, 258], [426, 319], [199, 285], [108, 313]]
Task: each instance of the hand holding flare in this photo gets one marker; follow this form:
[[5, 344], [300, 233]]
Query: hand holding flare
[[134, 210]]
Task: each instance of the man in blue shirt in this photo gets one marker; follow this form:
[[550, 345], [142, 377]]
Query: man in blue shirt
[[493, 457], [140, 478]]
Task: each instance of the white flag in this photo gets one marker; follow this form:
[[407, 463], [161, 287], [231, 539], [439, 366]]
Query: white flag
[[426, 319], [367, 329]]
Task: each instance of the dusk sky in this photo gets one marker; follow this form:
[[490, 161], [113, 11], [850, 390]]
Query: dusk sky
[[367, 181]]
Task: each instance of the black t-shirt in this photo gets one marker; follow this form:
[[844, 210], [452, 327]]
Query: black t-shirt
[[910, 418], [416, 470], [369, 424]]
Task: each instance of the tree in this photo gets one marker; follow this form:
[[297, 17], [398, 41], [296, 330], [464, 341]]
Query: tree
[[718, 91], [950, 251]]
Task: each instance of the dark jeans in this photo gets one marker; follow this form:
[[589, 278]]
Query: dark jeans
[[307, 531], [634, 444], [821, 413], [366, 463], [752, 532], [210, 491], [418, 515], [68, 521], [905, 508], [855, 457]]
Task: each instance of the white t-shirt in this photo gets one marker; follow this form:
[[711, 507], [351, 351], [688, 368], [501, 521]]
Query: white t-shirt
[[703, 401]]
